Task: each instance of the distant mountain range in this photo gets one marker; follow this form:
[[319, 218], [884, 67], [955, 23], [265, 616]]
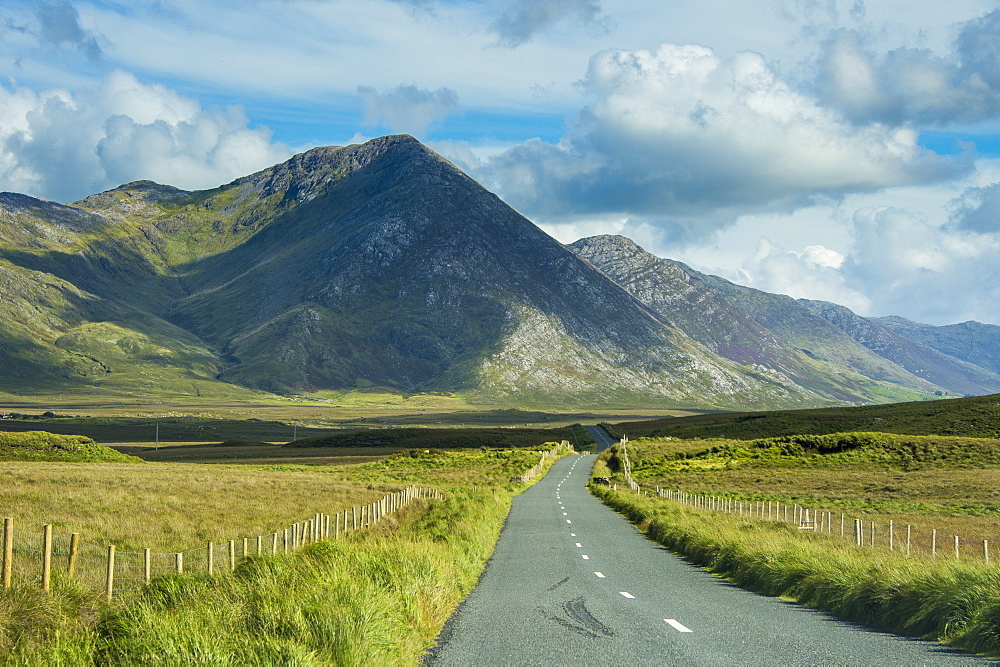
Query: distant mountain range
[[384, 265]]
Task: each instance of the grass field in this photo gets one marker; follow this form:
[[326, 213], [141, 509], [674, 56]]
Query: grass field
[[378, 596], [976, 417]]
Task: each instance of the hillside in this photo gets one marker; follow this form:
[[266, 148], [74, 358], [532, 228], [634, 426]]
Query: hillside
[[382, 264], [924, 361], [973, 342], [754, 328]]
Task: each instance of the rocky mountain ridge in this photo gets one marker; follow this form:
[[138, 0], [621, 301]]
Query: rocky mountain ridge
[[383, 264]]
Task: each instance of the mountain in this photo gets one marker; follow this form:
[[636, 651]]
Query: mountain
[[944, 370], [373, 264], [804, 345], [382, 264], [973, 342]]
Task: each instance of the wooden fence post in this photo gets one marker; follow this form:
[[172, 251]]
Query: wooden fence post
[[232, 555], [956, 547], [8, 551], [147, 565], [211, 559], [245, 554], [986, 551], [109, 581], [46, 556], [890, 535], [354, 518], [859, 530], [934, 542], [908, 527], [274, 544], [74, 551], [179, 563]]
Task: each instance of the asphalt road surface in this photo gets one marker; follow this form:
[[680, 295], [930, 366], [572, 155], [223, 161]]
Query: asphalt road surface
[[572, 582]]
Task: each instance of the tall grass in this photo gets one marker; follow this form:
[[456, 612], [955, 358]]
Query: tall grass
[[378, 596], [958, 603]]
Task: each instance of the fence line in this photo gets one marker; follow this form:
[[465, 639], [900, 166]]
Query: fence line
[[862, 533], [109, 570], [532, 472]]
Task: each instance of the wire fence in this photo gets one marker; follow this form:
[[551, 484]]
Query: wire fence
[[533, 472], [32, 558], [885, 535]]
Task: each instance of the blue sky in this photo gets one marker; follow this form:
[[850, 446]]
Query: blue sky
[[832, 149]]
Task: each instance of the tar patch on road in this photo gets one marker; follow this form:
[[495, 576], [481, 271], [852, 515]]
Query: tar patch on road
[[579, 619]]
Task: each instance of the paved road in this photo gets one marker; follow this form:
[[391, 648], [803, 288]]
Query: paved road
[[571, 582], [601, 437]]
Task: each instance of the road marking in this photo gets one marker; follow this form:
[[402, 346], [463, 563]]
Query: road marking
[[568, 521], [677, 626], [578, 544], [600, 575], [565, 514], [586, 557], [626, 594], [572, 534]]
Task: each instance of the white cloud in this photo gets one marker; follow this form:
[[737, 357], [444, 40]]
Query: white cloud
[[63, 146], [928, 271], [407, 108], [59, 25], [907, 85], [518, 22], [687, 138], [812, 273]]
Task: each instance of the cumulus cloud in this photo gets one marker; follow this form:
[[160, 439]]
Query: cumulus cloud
[[813, 273], [932, 272], [681, 134], [63, 146], [909, 85], [407, 108], [978, 210], [59, 25], [522, 19]]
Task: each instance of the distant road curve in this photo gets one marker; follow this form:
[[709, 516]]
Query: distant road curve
[[571, 582]]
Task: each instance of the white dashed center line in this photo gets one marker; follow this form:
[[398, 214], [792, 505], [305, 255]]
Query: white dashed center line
[[578, 544], [626, 594], [600, 575], [568, 521], [586, 557], [677, 626], [572, 534]]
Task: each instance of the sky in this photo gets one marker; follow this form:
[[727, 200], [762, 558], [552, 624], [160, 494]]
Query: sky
[[842, 150]]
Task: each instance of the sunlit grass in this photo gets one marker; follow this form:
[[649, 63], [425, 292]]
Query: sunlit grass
[[935, 598]]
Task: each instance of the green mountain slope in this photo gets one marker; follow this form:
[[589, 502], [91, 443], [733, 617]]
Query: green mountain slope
[[954, 375], [383, 264], [760, 330], [973, 342]]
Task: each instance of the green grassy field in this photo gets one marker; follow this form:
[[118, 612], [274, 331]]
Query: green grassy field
[[927, 484], [376, 596], [976, 417]]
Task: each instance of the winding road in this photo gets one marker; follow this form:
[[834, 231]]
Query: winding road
[[571, 582]]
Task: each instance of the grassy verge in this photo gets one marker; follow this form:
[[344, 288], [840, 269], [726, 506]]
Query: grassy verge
[[376, 597], [958, 603]]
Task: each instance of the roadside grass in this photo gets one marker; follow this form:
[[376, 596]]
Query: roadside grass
[[378, 596], [958, 603], [948, 484]]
